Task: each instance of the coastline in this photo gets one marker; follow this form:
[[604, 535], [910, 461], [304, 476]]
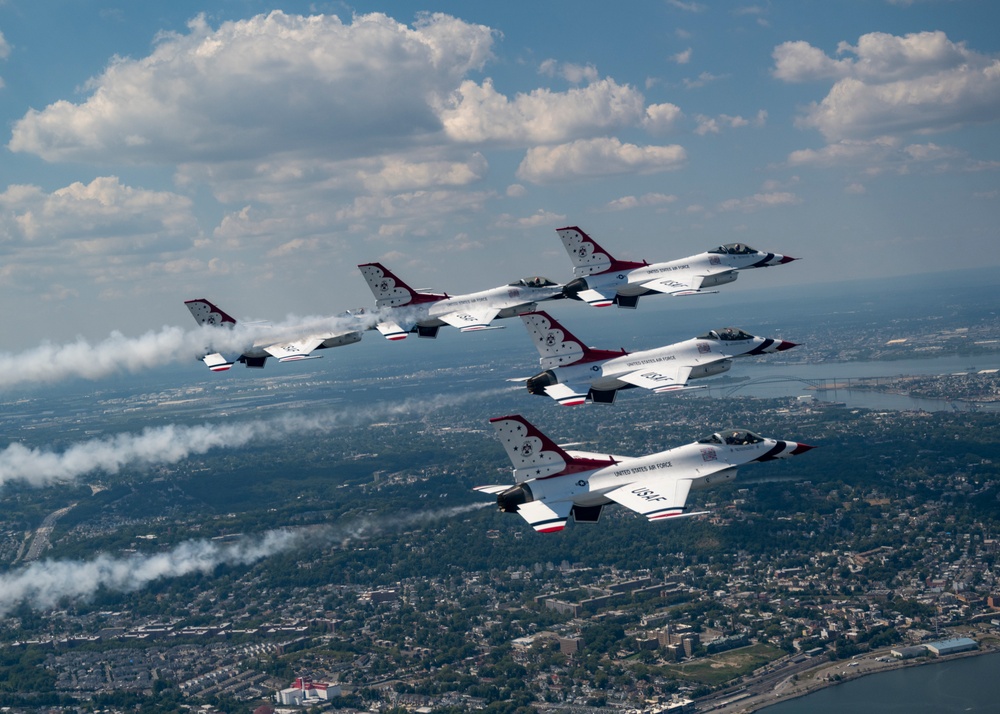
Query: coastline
[[794, 686]]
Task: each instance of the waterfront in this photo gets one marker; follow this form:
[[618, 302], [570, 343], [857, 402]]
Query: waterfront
[[796, 380], [967, 684]]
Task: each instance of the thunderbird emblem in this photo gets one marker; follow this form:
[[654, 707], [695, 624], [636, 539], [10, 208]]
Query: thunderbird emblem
[[526, 449]]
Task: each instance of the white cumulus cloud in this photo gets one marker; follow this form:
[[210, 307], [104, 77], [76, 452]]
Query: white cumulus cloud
[[760, 200], [626, 203], [661, 118], [888, 84], [93, 231], [597, 157], [479, 113], [266, 85]]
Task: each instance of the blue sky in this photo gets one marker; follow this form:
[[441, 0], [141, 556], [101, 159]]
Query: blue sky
[[255, 153]]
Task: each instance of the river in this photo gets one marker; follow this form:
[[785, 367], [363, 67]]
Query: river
[[969, 684], [796, 380]]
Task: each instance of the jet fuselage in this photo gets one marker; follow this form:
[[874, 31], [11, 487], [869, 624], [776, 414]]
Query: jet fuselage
[[707, 357], [704, 464]]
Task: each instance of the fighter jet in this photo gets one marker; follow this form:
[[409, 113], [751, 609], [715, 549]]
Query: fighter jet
[[602, 280], [575, 373], [551, 484], [425, 312], [297, 349]]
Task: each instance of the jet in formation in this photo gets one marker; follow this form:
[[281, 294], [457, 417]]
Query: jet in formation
[[294, 350], [575, 373], [552, 483], [602, 280], [425, 312]]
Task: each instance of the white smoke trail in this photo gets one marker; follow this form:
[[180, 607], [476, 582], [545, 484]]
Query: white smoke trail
[[172, 443], [45, 584], [118, 354]]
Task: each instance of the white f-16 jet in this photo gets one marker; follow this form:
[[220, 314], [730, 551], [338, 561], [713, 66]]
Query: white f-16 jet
[[575, 373], [602, 280], [552, 483], [425, 312], [293, 350]]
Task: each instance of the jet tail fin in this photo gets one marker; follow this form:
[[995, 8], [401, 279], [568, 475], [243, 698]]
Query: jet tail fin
[[534, 455], [587, 256], [390, 290], [557, 346], [205, 313]]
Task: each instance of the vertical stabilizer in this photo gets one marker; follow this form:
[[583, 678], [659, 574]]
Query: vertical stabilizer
[[205, 313], [535, 455], [587, 256], [557, 346], [390, 291]]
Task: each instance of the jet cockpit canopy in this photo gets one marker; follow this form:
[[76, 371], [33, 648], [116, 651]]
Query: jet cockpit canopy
[[533, 282], [735, 249], [726, 334], [732, 437]]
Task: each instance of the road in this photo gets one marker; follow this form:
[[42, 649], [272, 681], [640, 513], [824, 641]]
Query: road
[[40, 543]]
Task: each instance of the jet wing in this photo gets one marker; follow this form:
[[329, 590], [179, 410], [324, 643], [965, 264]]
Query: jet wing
[[568, 395], [679, 284], [655, 498], [661, 380], [392, 330], [472, 320], [545, 518], [295, 351]]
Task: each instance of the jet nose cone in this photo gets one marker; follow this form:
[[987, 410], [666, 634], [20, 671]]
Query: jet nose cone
[[801, 449], [786, 259], [786, 345]]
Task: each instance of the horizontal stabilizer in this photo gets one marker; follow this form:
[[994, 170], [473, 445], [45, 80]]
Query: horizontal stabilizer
[[598, 298], [566, 395], [490, 489], [544, 518], [217, 363], [391, 331]]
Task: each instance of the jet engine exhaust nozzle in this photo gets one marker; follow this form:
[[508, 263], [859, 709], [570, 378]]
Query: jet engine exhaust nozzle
[[573, 288], [509, 500], [538, 383]]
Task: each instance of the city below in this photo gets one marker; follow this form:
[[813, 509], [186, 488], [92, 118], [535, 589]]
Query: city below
[[315, 542]]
